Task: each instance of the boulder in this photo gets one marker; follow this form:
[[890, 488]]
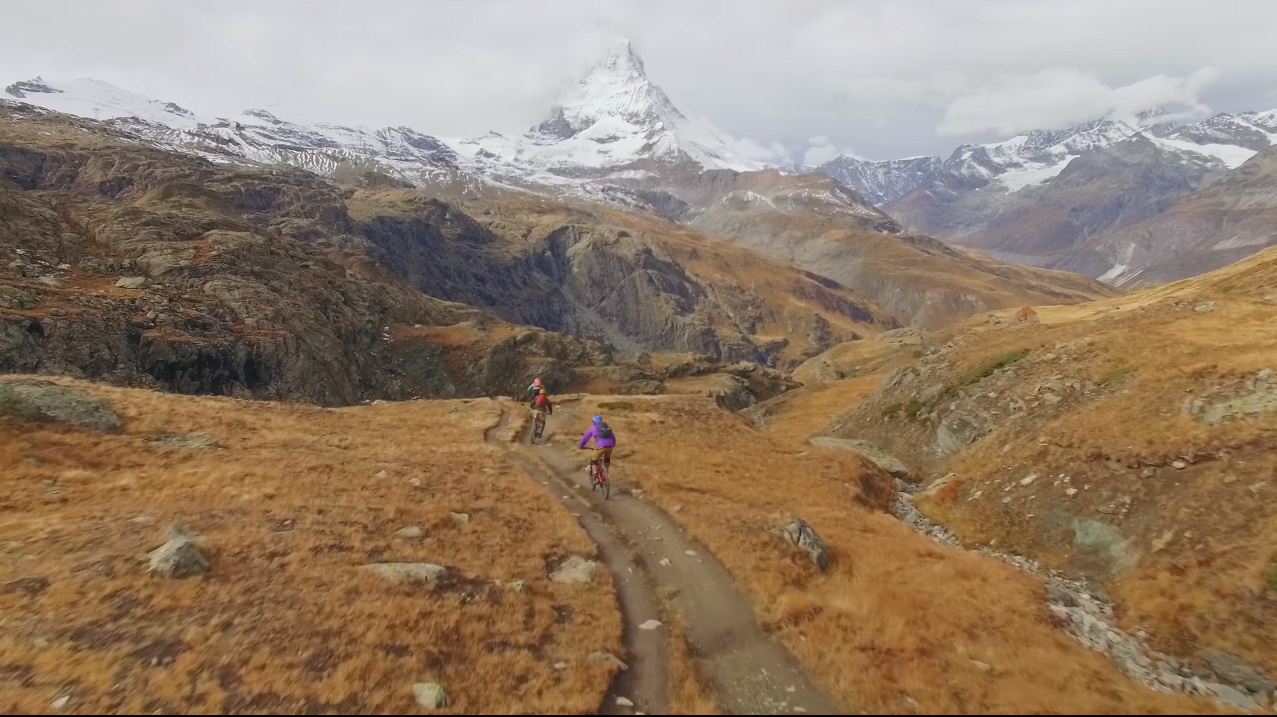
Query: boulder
[[870, 451], [798, 532], [179, 557], [408, 572], [430, 695], [133, 282], [1238, 671], [38, 400], [411, 532], [575, 569]]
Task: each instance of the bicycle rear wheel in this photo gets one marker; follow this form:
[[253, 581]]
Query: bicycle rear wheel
[[603, 481]]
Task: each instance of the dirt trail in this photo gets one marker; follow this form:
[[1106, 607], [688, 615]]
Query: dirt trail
[[646, 682], [751, 673]]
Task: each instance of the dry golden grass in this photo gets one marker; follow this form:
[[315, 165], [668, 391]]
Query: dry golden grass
[[287, 621], [899, 623]]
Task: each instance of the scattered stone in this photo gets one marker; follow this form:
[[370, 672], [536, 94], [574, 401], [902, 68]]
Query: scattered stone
[[193, 441], [650, 625], [1205, 306], [1238, 671], [1028, 479], [133, 282], [937, 484], [60, 702], [408, 572], [1160, 543], [982, 666], [575, 569], [1057, 594], [179, 557], [519, 586], [411, 532], [38, 400], [798, 532], [607, 659], [1006, 500], [460, 519], [690, 552], [624, 702], [1231, 695], [430, 695], [665, 561], [414, 482], [380, 475], [50, 281], [676, 508], [1070, 491], [1148, 472], [560, 665], [1179, 465]]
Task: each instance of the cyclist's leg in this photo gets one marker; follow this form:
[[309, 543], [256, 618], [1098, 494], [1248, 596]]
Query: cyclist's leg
[[607, 456]]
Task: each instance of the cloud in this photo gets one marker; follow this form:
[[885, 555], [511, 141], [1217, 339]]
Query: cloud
[[880, 75], [1060, 97], [820, 150]]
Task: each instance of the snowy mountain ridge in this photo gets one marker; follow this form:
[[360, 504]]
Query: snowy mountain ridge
[[1033, 158]]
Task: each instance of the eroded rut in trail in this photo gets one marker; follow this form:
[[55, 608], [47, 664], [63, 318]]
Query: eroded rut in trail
[[645, 550]]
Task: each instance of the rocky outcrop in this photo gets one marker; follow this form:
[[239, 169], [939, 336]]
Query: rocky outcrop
[[801, 534], [46, 401]]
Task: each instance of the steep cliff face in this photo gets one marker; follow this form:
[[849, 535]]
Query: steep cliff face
[[635, 282], [150, 268]]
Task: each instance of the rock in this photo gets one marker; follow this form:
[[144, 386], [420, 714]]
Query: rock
[[1205, 306], [460, 519], [870, 451], [60, 702], [798, 532], [194, 441], [575, 569], [607, 659], [408, 572], [411, 532], [50, 281], [1058, 595], [1179, 465], [1028, 479], [1238, 671], [560, 665], [936, 485], [414, 482], [11, 297], [650, 625], [38, 400], [430, 695], [1159, 544], [624, 702], [133, 282], [982, 666], [1231, 695], [179, 557], [519, 586], [1070, 491], [380, 475]]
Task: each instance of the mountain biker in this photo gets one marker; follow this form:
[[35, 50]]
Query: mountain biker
[[541, 404], [534, 388], [604, 441]]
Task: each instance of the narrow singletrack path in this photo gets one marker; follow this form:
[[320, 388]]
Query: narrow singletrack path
[[751, 672]]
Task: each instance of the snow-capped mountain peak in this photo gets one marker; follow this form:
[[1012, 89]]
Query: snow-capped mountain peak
[[612, 119]]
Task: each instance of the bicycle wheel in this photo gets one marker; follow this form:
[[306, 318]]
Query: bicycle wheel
[[604, 482], [538, 427]]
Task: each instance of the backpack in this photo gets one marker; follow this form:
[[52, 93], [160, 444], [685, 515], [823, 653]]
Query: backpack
[[605, 432]]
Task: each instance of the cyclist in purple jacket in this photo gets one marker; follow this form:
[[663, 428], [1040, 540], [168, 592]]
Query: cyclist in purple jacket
[[604, 442]]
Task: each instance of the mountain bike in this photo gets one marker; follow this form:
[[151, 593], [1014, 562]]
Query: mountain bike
[[538, 426], [598, 478]]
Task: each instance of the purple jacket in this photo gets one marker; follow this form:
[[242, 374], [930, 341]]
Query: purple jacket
[[598, 442]]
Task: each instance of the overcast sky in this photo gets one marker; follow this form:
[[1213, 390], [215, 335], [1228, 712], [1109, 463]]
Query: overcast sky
[[882, 78]]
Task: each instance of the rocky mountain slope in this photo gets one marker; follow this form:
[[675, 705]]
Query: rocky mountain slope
[[1036, 196], [281, 284], [1225, 220], [1127, 442]]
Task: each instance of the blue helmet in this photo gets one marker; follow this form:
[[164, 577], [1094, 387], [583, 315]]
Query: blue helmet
[[598, 419]]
